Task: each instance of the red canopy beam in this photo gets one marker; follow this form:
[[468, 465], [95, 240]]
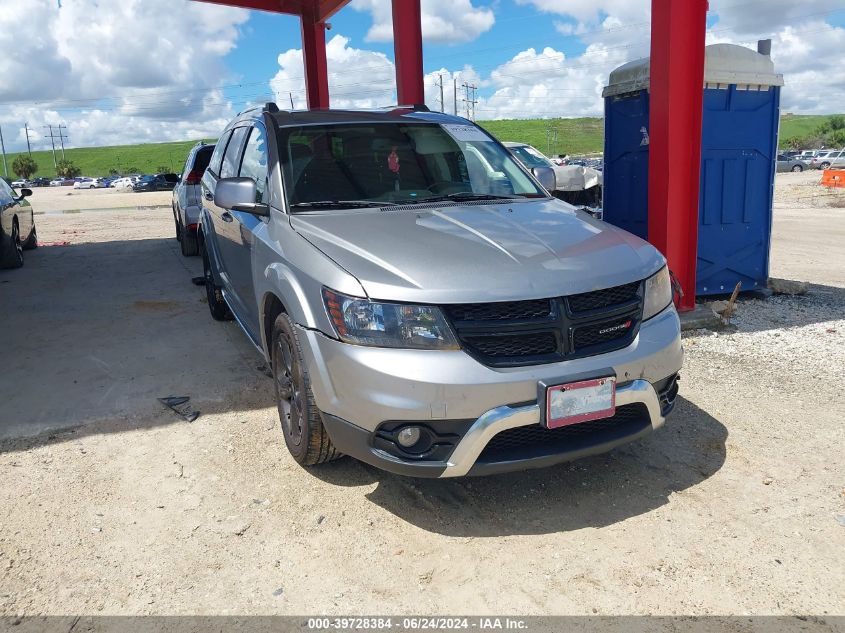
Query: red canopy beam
[[407, 47], [677, 96], [314, 59]]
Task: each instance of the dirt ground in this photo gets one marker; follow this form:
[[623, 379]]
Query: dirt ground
[[737, 506], [68, 199]]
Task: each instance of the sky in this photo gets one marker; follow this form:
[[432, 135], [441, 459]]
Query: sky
[[129, 71]]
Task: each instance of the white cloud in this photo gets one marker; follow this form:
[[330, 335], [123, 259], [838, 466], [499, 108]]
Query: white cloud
[[124, 72], [443, 21], [357, 78]]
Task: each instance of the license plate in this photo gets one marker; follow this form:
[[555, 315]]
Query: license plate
[[580, 402]]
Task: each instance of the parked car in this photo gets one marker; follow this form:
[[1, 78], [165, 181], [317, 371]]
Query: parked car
[[18, 184], [785, 163], [187, 198], [57, 182], [158, 182], [17, 226], [828, 159], [40, 182], [87, 183], [416, 316], [809, 154], [569, 177], [126, 182]]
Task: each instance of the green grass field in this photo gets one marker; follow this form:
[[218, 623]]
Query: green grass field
[[574, 136]]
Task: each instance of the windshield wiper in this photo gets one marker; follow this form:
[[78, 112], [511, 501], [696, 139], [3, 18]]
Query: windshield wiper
[[463, 195], [340, 204]]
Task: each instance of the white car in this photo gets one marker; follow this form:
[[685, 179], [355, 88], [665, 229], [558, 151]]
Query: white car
[[125, 183], [17, 184], [87, 183]]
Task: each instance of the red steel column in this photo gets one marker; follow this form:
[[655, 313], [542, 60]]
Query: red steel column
[[407, 47], [314, 59], [677, 94]]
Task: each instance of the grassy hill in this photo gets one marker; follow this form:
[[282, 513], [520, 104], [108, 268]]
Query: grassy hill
[[574, 136], [97, 161]]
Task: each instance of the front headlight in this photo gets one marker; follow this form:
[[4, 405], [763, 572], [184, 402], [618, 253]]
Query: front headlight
[[658, 293], [364, 322]]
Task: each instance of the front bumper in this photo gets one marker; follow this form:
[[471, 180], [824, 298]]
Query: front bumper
[[360, 390]]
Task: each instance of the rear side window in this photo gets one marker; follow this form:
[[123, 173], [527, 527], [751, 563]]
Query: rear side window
[[254, 163], [203, 157], [231, 161]]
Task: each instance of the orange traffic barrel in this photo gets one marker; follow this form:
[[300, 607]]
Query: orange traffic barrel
[[833, 178]]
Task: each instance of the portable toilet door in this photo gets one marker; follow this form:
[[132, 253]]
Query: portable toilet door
[[739, 149]]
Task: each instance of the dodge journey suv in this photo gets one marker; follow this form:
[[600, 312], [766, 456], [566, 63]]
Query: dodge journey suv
[[424, 304]]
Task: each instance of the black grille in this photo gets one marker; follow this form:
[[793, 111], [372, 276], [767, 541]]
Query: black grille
[[509, 311], [514, 346], [601, 333], [515, 333], [603, 298], [531, 441]]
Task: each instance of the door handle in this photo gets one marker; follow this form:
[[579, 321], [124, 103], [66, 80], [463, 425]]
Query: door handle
[[208, 195], [227, 217]]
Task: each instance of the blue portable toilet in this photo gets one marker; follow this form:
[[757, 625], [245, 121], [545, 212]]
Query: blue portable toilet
[[739, 149]]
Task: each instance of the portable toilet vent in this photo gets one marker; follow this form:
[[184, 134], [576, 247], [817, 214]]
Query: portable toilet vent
[[739, 148]]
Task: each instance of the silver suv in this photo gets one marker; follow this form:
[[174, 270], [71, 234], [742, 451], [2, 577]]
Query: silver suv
[[424, 304], [186, 198]]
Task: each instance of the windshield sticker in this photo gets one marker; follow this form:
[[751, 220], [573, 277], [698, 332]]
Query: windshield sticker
[[466, 133]]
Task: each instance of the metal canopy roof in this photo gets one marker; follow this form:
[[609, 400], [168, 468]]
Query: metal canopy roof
[[319, 10]]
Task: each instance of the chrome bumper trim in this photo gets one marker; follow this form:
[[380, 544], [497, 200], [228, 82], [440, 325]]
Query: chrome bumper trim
[[503, 418]]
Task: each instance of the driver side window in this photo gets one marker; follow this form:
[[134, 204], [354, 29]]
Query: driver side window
[[254, 163]]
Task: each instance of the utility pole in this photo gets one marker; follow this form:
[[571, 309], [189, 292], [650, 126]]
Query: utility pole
[[53, 143], [455, 93], [62, 137], [3, 148], [290, 94], [28, 147], [470, 101], [551, 133], [442, 102]]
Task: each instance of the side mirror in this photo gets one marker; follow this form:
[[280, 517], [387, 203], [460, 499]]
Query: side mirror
[[546, 177], [25, 193], [238, 194]]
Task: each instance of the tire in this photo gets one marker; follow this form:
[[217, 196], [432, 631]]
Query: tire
[[188, 243], [216, 303], [32, 241], [11, 253], [303, 430], [824, 166], [178, 227], [797, 169]]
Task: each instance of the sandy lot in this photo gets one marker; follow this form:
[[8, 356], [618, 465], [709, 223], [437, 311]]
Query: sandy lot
[[53, 199], [737, 506]]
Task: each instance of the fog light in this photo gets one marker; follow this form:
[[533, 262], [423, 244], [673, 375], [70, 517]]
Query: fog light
[[408, 436]]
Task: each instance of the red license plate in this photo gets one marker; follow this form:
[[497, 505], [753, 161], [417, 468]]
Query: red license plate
[[580, 402]]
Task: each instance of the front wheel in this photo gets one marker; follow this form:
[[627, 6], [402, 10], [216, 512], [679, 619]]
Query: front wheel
[[825, 166], [216, 303], [11, 255], [797, 169], [305, 436]]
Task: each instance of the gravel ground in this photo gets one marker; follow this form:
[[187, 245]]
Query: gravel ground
[[737, 506]]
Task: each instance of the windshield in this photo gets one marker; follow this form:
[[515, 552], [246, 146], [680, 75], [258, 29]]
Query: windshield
[[530, 157], [396, 163]]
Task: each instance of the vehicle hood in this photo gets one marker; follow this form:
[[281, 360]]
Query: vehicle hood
[[478, 252]]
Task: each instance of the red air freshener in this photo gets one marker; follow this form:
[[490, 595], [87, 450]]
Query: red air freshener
[[393, 161]]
